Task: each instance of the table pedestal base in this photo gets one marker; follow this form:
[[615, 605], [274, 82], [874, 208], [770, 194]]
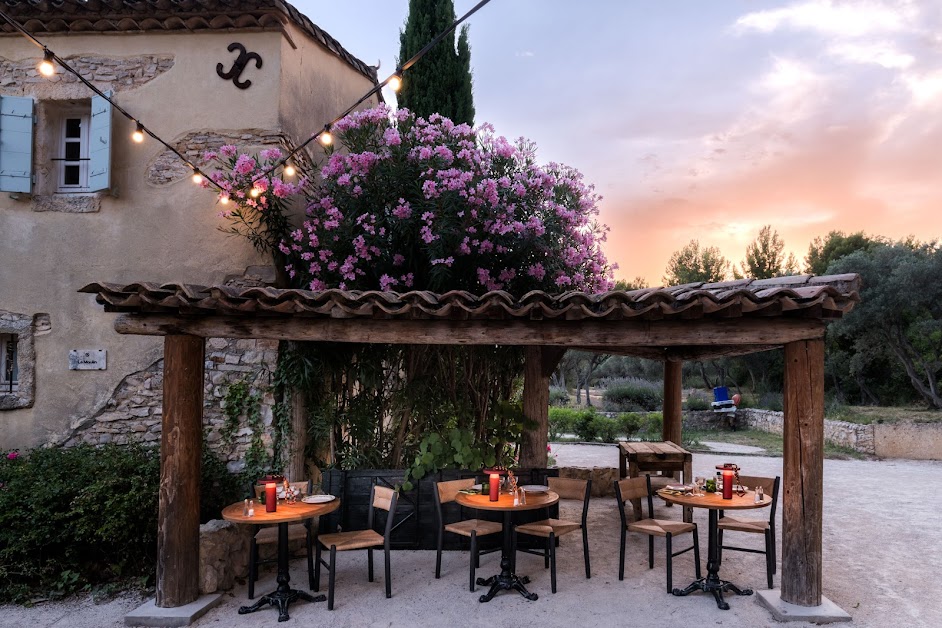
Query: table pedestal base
[[506, 580], [712, 584], [281, 599]]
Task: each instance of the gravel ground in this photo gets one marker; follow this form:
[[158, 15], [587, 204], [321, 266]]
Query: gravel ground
[[882, 549]]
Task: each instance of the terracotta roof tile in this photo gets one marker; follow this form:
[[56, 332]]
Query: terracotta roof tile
[[805, 297], [64, 16]]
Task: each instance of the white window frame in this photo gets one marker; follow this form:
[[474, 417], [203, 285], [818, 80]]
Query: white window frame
[[5, 341], [84, 116]]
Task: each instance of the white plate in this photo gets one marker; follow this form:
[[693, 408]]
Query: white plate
[[679, 487], [477, 487], [318, 499], [535, 488]]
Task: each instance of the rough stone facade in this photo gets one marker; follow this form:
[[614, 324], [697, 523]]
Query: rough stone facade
[[224, 554], [22, 78], [135, 409], [167, 167]]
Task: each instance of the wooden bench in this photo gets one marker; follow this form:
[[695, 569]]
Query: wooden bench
[[637, 458]]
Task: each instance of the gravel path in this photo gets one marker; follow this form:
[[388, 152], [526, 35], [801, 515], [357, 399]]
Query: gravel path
[[882, 549]]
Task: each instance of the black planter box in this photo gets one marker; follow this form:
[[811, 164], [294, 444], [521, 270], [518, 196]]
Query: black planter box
[[416, 524]]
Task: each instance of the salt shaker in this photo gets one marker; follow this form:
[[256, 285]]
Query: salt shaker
[[760, 493], [251, 508], [245, 508]]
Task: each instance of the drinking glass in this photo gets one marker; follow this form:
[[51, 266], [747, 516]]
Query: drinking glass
[[699, 483]]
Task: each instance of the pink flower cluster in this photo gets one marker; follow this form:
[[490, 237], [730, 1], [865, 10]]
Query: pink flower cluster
[[428, 204], [241, 173]]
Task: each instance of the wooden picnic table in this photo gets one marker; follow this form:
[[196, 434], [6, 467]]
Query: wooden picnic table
[[638, 457]]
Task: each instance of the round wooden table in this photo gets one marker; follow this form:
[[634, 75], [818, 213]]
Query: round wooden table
[[506, 579], [286, 513], [714, 502]]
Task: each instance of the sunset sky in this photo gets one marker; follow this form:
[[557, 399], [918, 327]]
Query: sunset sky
[[709, 120]]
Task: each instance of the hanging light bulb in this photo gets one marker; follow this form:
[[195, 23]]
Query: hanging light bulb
[[326, 138], [138, 134], [197, 177], [224, 199], [395, 82], [254, 192], [47, 66], [290, 170]]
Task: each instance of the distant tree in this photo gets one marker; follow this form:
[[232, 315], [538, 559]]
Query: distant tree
[[900, 312], [633, 284], [765, 257], [692, 264], [822, 252], [441, 81]]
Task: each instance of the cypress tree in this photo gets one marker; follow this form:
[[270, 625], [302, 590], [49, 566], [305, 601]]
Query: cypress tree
[[441, 81]]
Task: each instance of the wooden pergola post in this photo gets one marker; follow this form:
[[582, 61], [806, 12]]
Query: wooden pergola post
[[803, 470], [672, 426], [539, 366], [178, 516]]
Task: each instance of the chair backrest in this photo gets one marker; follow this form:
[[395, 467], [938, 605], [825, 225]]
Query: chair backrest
[[572, 488], [769, 485], [633, 488], [384, 498], [448, 491]]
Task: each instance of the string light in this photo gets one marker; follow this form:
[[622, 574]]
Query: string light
[[47, 66], [325, 137]]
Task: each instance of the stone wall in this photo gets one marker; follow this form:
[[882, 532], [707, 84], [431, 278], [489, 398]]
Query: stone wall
[[841, 433], [18, 78], [134, 411]]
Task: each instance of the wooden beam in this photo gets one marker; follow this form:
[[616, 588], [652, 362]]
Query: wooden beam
[[671, 426], [584, 333], [539, 366], [181, 441], [683, 354], [803, 470]]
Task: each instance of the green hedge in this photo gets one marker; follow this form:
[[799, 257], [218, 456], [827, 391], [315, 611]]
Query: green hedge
[[72, 519], [590, 426]]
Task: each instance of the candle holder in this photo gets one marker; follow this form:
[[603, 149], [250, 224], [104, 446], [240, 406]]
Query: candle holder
[[271, 497], [494, 481]]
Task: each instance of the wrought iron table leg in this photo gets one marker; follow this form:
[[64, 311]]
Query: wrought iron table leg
[[506, 580], [284, 594], [712, 582]]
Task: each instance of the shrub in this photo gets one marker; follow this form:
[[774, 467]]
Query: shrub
[[562, 421], [558, 396], [771, 401], [698, 400], [82, 516], [630, 423], [585, 426], [605, 428], [653, 423], [633, 395]]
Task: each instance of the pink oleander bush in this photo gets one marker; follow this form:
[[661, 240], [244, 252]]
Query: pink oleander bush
[[428, 204]]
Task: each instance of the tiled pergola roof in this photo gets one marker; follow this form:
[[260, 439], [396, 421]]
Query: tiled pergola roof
[[42, 17], [807, 297]]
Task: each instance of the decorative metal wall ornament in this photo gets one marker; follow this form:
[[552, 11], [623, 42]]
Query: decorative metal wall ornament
[[238, 66]]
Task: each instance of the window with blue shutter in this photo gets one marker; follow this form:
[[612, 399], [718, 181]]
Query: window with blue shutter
[[99, 145], [16, 144]]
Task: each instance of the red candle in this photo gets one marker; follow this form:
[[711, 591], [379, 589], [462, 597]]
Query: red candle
[[728, 483], [271, 498], [495, 487]]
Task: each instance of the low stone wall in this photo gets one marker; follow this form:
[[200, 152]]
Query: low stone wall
[[224, 554], [603, 478], [908, 439]]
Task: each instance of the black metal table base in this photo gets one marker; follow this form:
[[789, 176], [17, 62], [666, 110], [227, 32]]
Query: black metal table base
[[281, 599], [715, 586], [284, 594], [712, 583], [506, 580]]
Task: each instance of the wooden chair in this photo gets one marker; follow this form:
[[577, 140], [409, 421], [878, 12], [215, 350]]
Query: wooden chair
[[268, 535], [754, 526], [472, 528], [552, 529], [637, 488], [380, 497]]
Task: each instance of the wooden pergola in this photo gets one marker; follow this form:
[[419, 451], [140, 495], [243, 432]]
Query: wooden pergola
[[690, 322]]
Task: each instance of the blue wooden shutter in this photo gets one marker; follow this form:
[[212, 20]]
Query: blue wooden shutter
[[99, 145], [16, 144]]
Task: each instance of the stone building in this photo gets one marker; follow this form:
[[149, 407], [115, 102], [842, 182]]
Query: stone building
[[80, 200]]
